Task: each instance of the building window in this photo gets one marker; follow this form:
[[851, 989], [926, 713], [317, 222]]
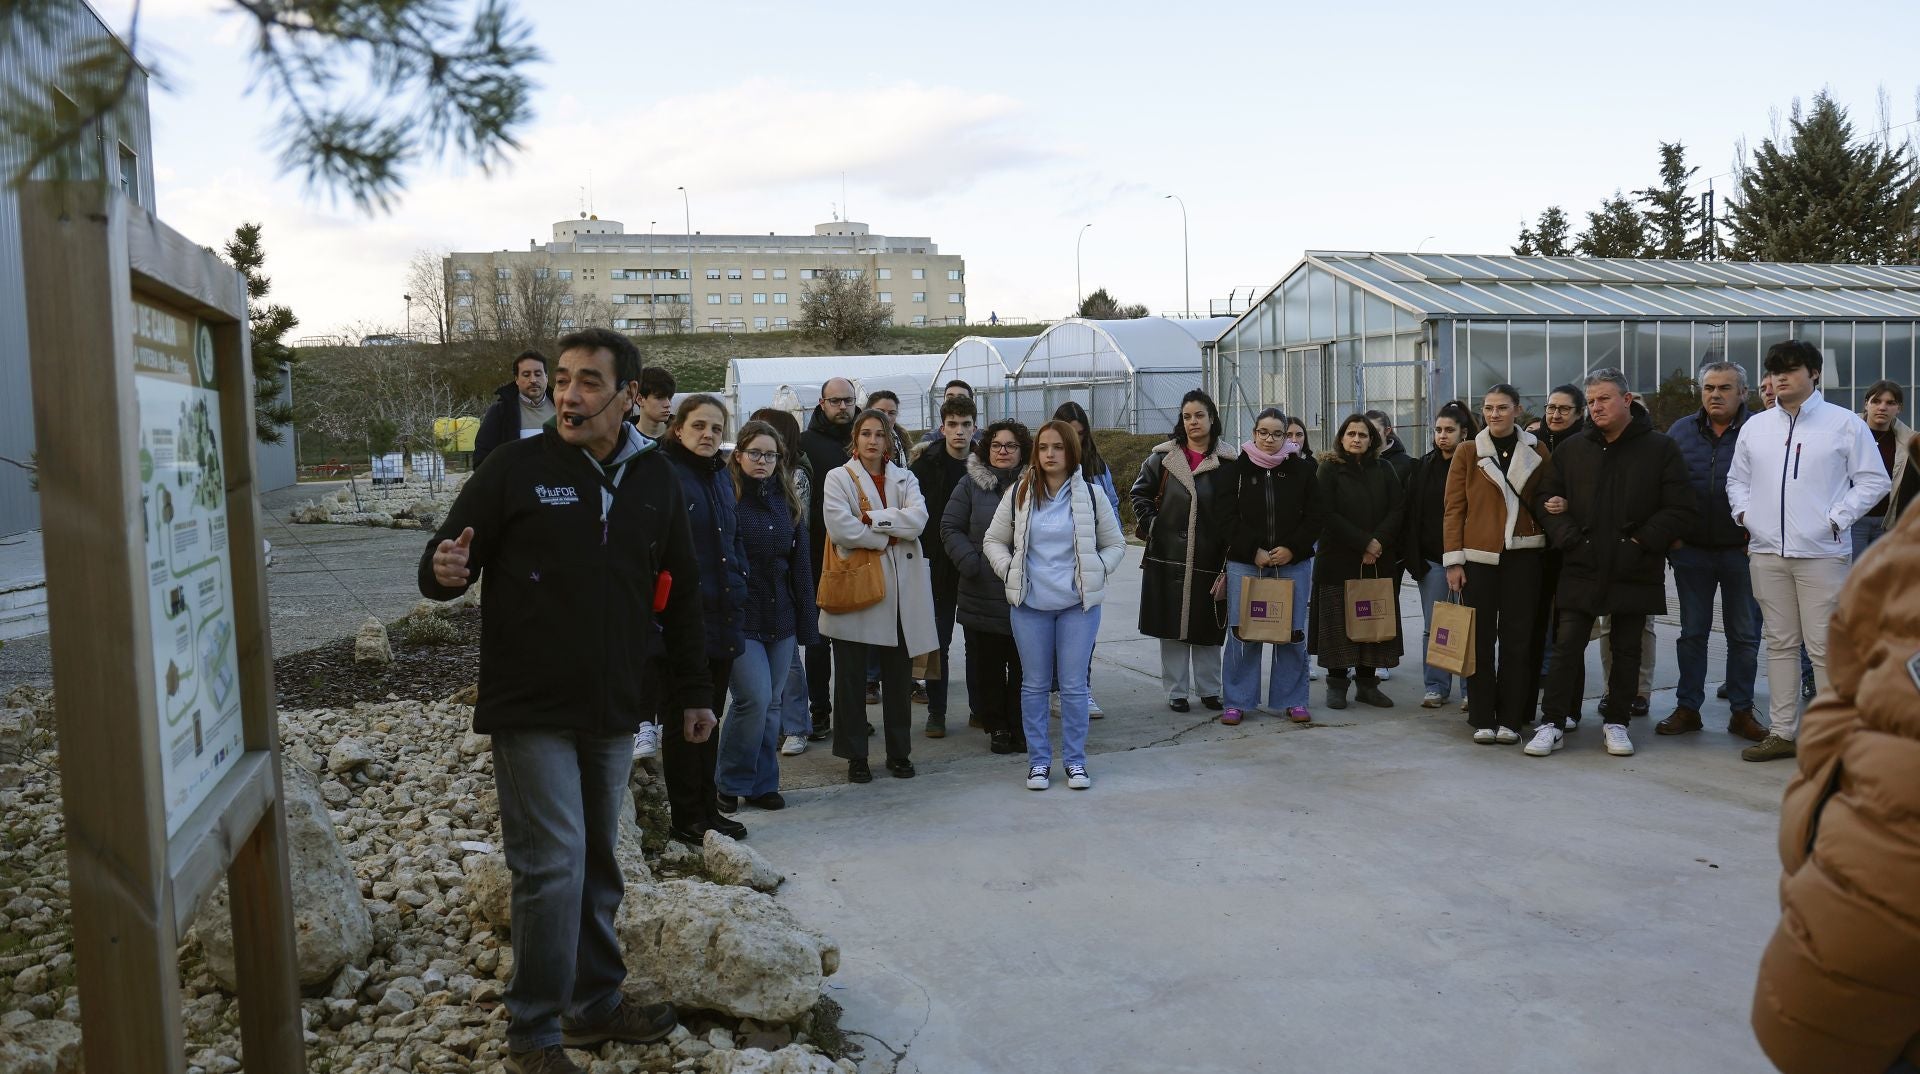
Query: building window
[[779, 274], [463, 300], [503, 300], [920, 322], [806, 274], [567, 299], [759, 322], [759, 274], [503, 273], [919, 274], [129, 175], [566, 274], [733, 299], [733, 274], [885, 273], [851, 273], [464, 326], [506, 325], [462, 274], [953, 274], [713, 274], [779, 298], [617, 300], [887, 297], [779, 322], [953, 297], [713, 300], [920, 297], [540, 273], [759, 298], [566, 323]]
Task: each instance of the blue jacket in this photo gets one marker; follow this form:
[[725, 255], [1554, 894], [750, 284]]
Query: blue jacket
[[780, 601], [712, 519], [1708, 458]]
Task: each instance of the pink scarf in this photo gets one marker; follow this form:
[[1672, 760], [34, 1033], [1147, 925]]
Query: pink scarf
[[1266, 461]]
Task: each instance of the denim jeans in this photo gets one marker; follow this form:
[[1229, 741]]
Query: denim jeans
[[1433, 590], [1240, 660], [561, 796], [749, 759], [1697, 572], [1865, 532], [1054, 644], [795, 719]]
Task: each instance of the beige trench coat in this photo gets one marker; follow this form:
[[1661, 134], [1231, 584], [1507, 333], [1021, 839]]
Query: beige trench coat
[[909, 599]]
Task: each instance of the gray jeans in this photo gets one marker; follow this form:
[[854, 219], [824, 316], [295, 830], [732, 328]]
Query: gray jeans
[[560, 802]]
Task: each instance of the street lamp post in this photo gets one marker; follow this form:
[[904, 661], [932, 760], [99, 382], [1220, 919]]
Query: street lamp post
[[1079, 296], [688, 206], [408, 334], [1186, 254]]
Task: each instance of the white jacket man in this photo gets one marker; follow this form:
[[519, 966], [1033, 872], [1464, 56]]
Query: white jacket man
[[1802, 473]]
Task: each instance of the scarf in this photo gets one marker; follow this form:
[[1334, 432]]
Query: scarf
[[1266, 461]]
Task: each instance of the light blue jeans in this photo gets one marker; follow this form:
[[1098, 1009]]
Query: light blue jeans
[[1865, 532], [748, 763], [1287, 681], [1433, 590], [795, 717], [1054, 645]]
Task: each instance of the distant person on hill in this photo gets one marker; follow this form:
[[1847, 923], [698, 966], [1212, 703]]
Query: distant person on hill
[[520, 407]]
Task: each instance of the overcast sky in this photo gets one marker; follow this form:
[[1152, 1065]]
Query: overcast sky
[[999, 129]]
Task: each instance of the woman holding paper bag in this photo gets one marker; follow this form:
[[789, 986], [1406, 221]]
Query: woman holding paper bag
[[1276, 521], [1495, 554], [1363, 507]]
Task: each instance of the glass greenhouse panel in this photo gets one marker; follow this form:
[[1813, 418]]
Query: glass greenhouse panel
[[1836, 344], [1677, 352], [1566, 352], [1868, 353], [1487, 356], [1743, 348], [1527, 367], [1604, 343], [1319, 304], [1293, 297], [1899, 362]]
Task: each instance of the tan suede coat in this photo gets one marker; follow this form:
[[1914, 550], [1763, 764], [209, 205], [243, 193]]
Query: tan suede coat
[[1485, 515]]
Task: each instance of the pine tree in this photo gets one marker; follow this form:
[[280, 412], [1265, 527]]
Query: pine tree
[[1824, 197], [1101, 306], [1547, 238], [1616, 229], [268, 327], [1672, 214]]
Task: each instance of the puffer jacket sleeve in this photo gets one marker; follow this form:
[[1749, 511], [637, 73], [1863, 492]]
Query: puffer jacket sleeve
[[800, 568], [1107, 538], [998, 544], [1839, 984], [956, 532], [1678, 514]]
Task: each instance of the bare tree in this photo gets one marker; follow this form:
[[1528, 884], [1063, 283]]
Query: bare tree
[[842, 308], [427, 281], [383, 397]]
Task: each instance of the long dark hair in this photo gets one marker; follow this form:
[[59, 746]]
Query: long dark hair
[[1374, 440], [1461, 416], [1179, 435], [786, 425], [1306, 437], [1091, 464]]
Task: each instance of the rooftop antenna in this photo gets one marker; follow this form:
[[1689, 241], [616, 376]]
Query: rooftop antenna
[[843, 194], [835, 210], [590, 190]]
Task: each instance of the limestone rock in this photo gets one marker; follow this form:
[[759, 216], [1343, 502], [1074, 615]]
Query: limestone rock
[[312, 512], [331, 926], [40, 1047], [467, 695], [16, 733], [727, 861], [490, 887], [347, 755], [370, 644], [724, 948]]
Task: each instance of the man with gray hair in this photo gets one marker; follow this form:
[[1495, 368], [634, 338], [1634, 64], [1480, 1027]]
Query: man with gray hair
[[1714, 557], [1613, 498]]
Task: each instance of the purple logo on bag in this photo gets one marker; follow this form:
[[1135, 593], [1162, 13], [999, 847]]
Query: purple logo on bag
[[1363, 609], [1440, 636], [1257, 609]]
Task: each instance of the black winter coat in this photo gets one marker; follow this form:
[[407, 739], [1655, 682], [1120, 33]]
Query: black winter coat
[[501, 423], [569, 597], [1362, 501], [825, 446], [714, 523], [1274, 507], [939, 474], [1708, 458], [1627, 502], [1398, 460], [982, 595], [1425, 513], [1188, 515]]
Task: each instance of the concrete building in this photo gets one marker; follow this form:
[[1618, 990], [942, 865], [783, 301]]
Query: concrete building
[[593, 272]]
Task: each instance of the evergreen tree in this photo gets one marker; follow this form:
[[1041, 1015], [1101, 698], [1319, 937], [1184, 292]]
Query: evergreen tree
[[1101, 306], [1672, 214], [1824, 197], [1616, 229], [268, 326], [1548, 237]]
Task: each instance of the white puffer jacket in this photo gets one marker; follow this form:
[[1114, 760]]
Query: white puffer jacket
[[1800, 481], [1099, 546]]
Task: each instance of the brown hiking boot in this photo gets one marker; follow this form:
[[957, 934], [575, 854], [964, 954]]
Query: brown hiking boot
[[1771, 748], [630, 1023], [551, 1060], [1744, 725], [1681, 722]]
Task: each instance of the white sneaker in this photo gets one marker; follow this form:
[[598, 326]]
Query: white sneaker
[[646, 742], [1484, 736], [1077, 778], [793, 745], [1545, 741], [1093, 708], [1383, 674], [1037, 778], [1313, 673], [1506, 736], [1618, 743]]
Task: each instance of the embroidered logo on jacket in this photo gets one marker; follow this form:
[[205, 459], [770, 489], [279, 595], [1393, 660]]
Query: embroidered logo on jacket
[[556, 497], [1913, 670]]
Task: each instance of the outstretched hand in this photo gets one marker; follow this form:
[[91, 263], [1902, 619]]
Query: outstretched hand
[[450, 560]]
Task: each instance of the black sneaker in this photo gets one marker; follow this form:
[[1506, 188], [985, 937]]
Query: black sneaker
[[901, 768], [728, 827], [630, 1023], [919, 693], [727, 803], [1641, 706], [822, 730], [858, 772], [769, 801], [1722, 692], [873, 693], [1000, 742], [1179, 704], [1212, 701], [551, 1060], [693, 835]]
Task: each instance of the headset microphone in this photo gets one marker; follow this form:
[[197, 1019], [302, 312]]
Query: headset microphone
[[576, 420]]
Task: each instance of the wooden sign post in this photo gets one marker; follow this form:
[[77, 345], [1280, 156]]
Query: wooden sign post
[[157, 599]]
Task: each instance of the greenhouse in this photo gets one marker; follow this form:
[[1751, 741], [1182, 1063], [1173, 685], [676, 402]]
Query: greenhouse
[[987, 364], [793, 384], [1403, 332], [1129, 374]]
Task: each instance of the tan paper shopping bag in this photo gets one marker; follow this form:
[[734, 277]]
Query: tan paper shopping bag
[[1451, 641], [1266, 610], [1370, 608]]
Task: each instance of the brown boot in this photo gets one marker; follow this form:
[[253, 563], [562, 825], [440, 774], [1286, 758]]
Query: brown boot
[[1744, 725], [1681, 722]]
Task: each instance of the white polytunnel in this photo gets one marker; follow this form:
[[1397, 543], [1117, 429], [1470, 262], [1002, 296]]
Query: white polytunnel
[[1129, 374], [986, 363], [793, 383]]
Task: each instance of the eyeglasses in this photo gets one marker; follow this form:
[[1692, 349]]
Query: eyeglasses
[[1003, 447], [1555, 409], [1268, 433], [837, 400], [762, 456]]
